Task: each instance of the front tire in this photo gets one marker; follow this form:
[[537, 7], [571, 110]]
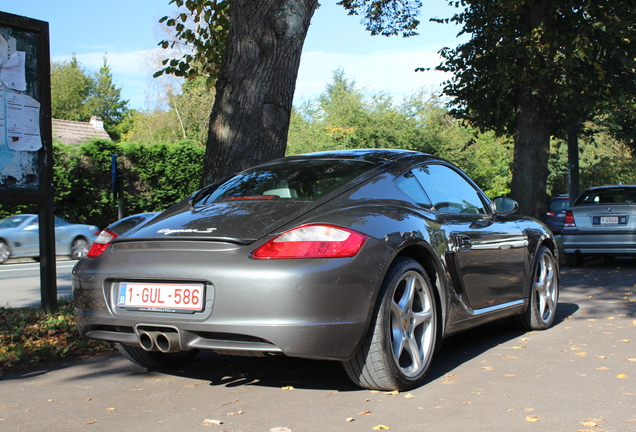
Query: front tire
[[544, 294], [402, 338], [156, 359], [79, 248]]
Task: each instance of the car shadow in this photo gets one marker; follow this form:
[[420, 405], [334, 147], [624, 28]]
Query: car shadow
[[281, 371]]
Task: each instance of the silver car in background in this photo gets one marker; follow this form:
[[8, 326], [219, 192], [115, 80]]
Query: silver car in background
[[602, 221], [20, 238]]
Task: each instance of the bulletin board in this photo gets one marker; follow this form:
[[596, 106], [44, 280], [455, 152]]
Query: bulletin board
[[25, 115], [26, 143]]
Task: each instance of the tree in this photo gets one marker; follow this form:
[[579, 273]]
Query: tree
[[536, 69], [70, 90], [186, 118], [77, 94], [258, 69], [105, 100]]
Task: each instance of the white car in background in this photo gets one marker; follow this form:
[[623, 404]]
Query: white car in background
[[20, 238]]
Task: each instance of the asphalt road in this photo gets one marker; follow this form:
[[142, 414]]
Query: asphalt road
[[578, 376], [20, 282]]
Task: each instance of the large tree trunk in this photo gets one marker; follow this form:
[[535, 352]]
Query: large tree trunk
[[533, 131], [255, 87], [530, 169]]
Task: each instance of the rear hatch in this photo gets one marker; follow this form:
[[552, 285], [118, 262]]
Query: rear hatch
[[256, 202]]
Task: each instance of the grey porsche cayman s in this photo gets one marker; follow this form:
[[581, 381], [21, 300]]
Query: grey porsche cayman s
[[366, 257]]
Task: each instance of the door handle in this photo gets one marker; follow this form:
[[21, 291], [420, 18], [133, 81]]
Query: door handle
[[463, 242]]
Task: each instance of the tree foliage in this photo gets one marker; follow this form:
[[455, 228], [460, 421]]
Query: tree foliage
[[343, 117], [77, 94], [569, 58], [185, 118], [155, 176], [70, 90], [200, 34]]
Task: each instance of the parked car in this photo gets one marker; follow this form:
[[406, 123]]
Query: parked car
[[19, 237], [367, 257], [602, 222], [555, 215]]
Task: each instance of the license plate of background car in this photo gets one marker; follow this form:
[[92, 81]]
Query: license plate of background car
[[161, 297], [609, 220]]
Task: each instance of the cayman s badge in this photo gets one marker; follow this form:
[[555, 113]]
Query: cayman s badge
[[168, 231]]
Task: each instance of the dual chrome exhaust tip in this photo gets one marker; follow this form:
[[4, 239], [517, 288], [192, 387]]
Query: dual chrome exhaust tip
[[164, 341]]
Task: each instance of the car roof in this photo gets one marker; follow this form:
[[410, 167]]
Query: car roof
[[599, 188], [375, 156]]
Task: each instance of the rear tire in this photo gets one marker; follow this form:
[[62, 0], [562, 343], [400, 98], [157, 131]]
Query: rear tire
[[5, 253], [403, 334], [156, 359], [544, 294]]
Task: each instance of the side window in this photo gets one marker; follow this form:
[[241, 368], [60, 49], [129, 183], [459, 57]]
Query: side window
[[448, 190], [412, 188]]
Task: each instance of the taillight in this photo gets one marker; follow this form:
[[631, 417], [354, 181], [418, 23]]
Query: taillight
[[100, 244], [569, 219], [312, 241], [550, 214]]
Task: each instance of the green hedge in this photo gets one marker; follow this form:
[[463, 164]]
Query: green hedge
[[155, 176]]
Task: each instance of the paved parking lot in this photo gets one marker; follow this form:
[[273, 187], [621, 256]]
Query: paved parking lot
[[578, 376]]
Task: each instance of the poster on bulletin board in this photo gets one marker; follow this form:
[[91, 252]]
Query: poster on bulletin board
[[25, 144]]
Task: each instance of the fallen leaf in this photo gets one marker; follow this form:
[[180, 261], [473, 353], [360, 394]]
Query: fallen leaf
[[631, 359], [601, 356], [212, 422], [288, 388], [603, 368], [529, 409], [509, 357], [621, 376], [532, 419], [510, 375], [350, 419], [488, 368], [392, 393], [409, 396], [624, 340], [581, 354], [239, 412], [589, 424], [111, 409], [365, 413], [90, 422], [519, 347], [381, 427]]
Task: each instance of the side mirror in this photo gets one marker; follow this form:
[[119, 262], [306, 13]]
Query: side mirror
[[504, 206]]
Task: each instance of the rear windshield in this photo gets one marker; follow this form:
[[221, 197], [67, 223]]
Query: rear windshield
[[303, 180], [608, 196]]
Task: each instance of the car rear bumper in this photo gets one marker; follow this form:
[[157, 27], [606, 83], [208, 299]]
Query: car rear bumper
[[598, 242], [302, 308]]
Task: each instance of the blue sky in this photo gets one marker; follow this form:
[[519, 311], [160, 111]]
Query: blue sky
[[127, 33]]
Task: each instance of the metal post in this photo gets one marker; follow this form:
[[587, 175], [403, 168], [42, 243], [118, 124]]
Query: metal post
[[573, 165]]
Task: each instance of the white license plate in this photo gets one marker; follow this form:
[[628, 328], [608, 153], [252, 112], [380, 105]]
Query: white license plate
[[609, 220], [163, 297]]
